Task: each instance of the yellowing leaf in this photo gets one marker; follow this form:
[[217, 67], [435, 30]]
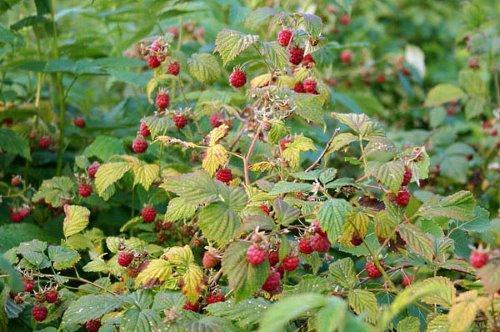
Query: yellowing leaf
[[356, 223], [179, 255], [108, 174], [292, 152], [157, 271], [230, 43], [261, 81], [193, 284], [215, 157], [77, 218], [217, 133], [145, 174], [463, 313], [262, 166]]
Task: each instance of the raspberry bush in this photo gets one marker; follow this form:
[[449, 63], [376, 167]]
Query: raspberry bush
[[249, 165]]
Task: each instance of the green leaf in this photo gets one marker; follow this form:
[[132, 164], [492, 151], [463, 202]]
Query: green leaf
[[341, 141], [243, 277], [474, 107], [77, 218], [473, 84], [179, 209], [230, 43], [289, 308], [246, 314], [409, 324], [14, 277], [11, 142], [55, 191], [194, 188], [90, 307], [443, 93], [204, 67], [455, 167], [145, 320], [218, 222], [390, 174], [104, 147], [63, 257], [157, 125], [364, 302], [332, 216], [11, 235], [308, 106], [360, 123], [292, 152], [343, 273], [416, 240], [380, 149], [108, 174], [276, 54], [438, 323], [167, 299], [480, 223], [284, 187], [332, 316], [312, 24], [459, 206], [284, 213], [211, 324]]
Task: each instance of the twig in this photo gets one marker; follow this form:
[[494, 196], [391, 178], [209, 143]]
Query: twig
[[325, 150], [249, 153]]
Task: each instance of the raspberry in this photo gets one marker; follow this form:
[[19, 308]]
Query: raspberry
[[256, 255], [346, 56], [407, 280], [174, 68], [191, 306], [44, 142], [284, 142], [51, 296], [478, 259], [16, 181], [238, 78], [39, 313], [308, 61], [216, 297], [299, 87], [310, 86], [403, 198], [162, 100], [305, 246], [406, 71], [28, 285], [93, 325], [180, 120], [265, 208], [153, 61], [356, 240], [79, 122], [216, 120], [317, 228], [290, 263], [380, 78], [372, 270], [224, 175], [284, 37], [406, 177], [345, 19], [15, 216], [320, 243], [296, 55], [125, 258], [174, 31], [473, 63], [84, 189], [209, 260], [139, 145], [92, 169], [148, 213], [273, 257], [143, 129], [273, 282]]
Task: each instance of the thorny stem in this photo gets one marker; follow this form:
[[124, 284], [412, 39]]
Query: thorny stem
[[325, 150], [246, 168]]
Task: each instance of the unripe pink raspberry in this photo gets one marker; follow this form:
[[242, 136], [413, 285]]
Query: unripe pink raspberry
[[284, 37], [256, 255]]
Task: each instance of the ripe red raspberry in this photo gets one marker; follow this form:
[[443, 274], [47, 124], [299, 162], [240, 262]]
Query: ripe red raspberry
[[345, 19], [372, 270], [310, 85], [284, 142], [474, 63], [174, 68], [265, 208], [403, 198], [79, 122], [217, 119], [180, 120], [93, 325], [273, 257], [209, 260], [273, 282], [125, 258], [39, 313], [406, 177], [15, 216], [380, 78], [153, 61], [305, 246], [238, 78], [406, 71], [191, 306], [16, 181], [356, 240], [296, 55], [224, 175], [299, 87], [308, 60], [320, 243], [51, 296], [162, 100], [215, 297], [346, 56], [139, 145], [407, 280], [28, 285], [284, 37], [84, 189], [256, 255], [44, 142], [92, 169], [148, 213], [478, 259], [290, 263], [143, 129]]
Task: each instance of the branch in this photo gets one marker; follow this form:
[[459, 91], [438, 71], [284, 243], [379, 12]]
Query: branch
[[325, 150], [249, 153]]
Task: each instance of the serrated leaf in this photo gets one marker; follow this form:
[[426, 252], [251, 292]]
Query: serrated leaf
[[409, 324], [179, 209], [439, 323], [386, 222], [443, 93], [55, 190], [215, 157], [284, 187], [204, 67], [332, 316], [192, 282], [276, 54], [308, 106], [90, 307], [463, 312], [96, 265], [145, 320], [217, 134], [356, 223], [245, 314], [312, 24], [278, 131], [167, 299], [360, 123], [63, 257], [108, 174], [332, 216], [194, 188], [230, 43], [145, 174], [104, 147], [11, 142], [292, 152], [218, 222], [364, 302], [416, 240], [340, 141], [77, 218], [284, 213], [343, 273], [459, 206], [157, 270], [244, 278], [473, 84], [390, 174], [179, 256], [158, 124]]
